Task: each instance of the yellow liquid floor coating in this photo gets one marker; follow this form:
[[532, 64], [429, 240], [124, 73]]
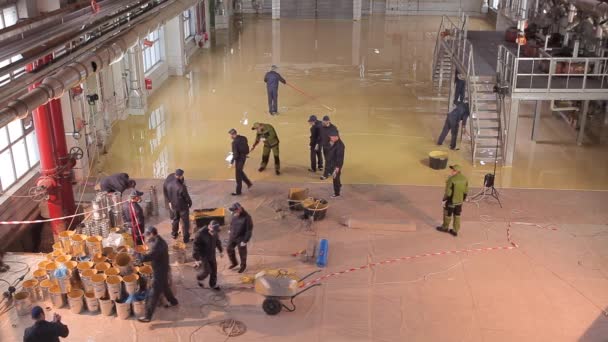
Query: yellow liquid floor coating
[[373, 74]]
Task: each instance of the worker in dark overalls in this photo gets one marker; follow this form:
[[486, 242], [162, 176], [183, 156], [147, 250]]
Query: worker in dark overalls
[[460, 86], [266, 134], [240, 150], [316, 153], [158, 255], [459, 114], [456, 188], [326, 128], [205, 243], [272, 79], [241, 229], [336, 161], [178, 174], [133, 216], [179, 203], [118, 182]]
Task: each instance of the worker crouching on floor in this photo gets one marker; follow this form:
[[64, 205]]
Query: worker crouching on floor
[[241, 228], [133, 216], [456, 188], [206, 241], [118, 182], [158, 255], [267, 134]]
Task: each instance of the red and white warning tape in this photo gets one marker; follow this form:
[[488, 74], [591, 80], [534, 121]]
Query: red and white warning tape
[[418, 256], [57, 218]]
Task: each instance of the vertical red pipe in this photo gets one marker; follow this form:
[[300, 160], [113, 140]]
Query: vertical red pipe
[[48, 167]]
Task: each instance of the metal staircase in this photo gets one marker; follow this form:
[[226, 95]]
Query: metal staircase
[[454, 52]]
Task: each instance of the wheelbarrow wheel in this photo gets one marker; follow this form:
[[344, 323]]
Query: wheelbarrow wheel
[[272, 306]]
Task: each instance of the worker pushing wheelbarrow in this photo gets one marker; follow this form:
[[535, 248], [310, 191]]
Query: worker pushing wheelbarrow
[[281, 286]]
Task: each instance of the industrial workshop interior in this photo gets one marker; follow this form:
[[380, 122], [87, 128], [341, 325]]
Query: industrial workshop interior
[[172, 170]]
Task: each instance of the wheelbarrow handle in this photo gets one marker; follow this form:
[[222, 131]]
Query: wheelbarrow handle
[[308, 275], [306, 289]]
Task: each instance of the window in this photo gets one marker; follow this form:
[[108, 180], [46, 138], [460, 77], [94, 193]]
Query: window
[[494, 4], [6, 78], [8, 16], [188, 24], [18, 151], [152, 54], [157, 122]]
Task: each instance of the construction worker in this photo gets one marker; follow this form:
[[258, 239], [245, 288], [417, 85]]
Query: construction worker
[[456, 188], [452, 121], [326, 128], [206, 241], [240, 150], [336, 161], [267, 134], [460, 86], [43, 330], [241, 228], [272, 79], [178, 174], [133, 216], [316, 158], [158, 255], [179, 204], [118, 182]]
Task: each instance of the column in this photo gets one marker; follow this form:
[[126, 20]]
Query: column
[[174, 46], [536, 123], [356, 43], [356, 9], [511, 132], [276, 9], [583, 120], [276, 41]]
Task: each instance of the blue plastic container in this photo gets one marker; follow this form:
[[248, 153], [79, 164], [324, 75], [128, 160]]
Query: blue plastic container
[[322, 254]]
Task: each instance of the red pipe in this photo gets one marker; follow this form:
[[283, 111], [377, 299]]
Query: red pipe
[[48, 166]]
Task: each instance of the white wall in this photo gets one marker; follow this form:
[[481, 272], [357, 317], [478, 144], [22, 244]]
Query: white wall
[[47, 5]]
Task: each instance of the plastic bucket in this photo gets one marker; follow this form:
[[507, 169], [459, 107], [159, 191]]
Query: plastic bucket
[[139, 308], [107, 306], [101, 267], [31, 286], [40, 275], [45, 287], [123, 310], [78, 244], [124, 262], [114, 286], [85, 277], [42, 264], [179, 251], [107, 250], [94, 245], [62, 259], [64, 238], [141, 249], [85, 265], [99, 285], [64, 284], [57, 297], [50, 269], [131, 283], [23, 303], [75, 299], [113, 271], [146, 272], [92, 302], [58, 247], [122, 249]]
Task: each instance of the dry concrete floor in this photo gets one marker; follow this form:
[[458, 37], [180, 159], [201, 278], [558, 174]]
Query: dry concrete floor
[[553, 287], [375, 77]]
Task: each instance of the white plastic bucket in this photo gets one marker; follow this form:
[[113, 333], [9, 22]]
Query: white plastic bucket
[[75, 299], [131, 283], [50, 269], [107, 306], [23, 303], [114, 285], [124, 262], [78, 245], [94, 245], [31, 286], [123, 310], [45, 287], [99, 285], [92, 302], [57, 297], [64, 238], [64, 284], [85, 277], [139, 308]]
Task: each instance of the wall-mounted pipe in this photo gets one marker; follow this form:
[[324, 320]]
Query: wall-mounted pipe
[[73, 74]]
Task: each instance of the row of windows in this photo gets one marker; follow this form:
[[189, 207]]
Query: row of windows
[[18, 151]]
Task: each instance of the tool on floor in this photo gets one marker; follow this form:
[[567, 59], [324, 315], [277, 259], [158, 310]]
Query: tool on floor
[[310, 96], [322, 254], [279, 287]]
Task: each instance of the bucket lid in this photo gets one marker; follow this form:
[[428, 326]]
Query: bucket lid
[[30, 283], [76, 293]]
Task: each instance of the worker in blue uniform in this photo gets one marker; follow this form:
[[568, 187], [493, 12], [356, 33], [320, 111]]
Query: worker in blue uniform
[[460, 113], [272, 80]]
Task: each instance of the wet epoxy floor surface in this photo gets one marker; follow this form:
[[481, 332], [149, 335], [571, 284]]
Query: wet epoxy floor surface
[[374, 75]]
